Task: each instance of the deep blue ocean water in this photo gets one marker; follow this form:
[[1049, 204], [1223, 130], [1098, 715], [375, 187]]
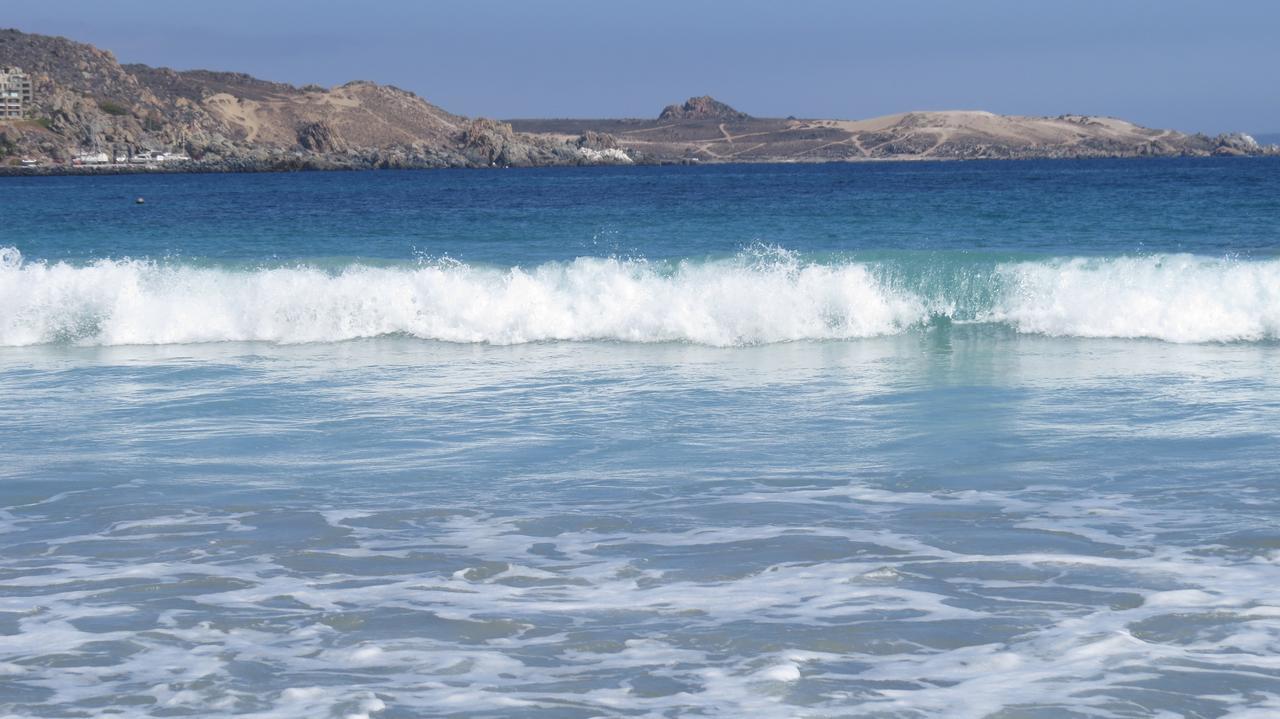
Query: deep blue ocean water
[[986, 439]]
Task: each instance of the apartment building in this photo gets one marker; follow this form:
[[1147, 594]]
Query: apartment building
[[15, 92]]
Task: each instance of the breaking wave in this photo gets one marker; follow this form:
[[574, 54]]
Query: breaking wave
[[753, 298]]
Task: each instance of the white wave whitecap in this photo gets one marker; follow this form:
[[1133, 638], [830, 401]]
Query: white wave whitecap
[[1177, 298], [114, 302], [749, 299]]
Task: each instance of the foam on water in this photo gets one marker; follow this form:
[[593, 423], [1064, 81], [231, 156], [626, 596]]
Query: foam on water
[[753, 298], [995, 525], [726, 303], [1179, 298], [534, 617]]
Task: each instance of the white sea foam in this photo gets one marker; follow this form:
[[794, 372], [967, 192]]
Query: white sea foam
[[608, 155], [1083, 647], [734, 302], [754, 298], [1179, 298]]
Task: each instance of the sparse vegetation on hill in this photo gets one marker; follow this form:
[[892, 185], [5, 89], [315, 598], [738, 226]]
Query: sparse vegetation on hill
[[112, 108]]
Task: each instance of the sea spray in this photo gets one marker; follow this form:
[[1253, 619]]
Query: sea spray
[[10, 258]]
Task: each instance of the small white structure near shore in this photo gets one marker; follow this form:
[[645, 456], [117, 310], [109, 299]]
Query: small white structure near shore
[[146, 158], [91, 158], [153, 157]]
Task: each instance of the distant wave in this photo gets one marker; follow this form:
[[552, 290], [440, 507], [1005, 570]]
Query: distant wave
[[753, 298]]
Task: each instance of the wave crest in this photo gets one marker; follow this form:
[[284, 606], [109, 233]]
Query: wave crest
[[722, 303], [1177, 298], [757, 297]]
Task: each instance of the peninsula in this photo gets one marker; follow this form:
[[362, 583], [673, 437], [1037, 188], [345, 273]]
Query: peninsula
[[80, 110]]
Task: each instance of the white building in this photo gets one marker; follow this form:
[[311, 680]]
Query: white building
[[15, 93], [91, 158]]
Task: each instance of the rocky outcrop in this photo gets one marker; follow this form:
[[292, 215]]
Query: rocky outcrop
[[494, 143], [701, 108], [1235, 143], [592, 140], [319, 136], [486, 142]]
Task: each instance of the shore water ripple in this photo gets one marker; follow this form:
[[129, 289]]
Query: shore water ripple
[[596, 529]]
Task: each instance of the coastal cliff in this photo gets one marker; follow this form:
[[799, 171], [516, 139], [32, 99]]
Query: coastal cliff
[[92, 113]]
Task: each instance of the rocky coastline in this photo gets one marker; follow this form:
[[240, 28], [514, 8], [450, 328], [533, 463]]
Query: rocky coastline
[[93, 115]]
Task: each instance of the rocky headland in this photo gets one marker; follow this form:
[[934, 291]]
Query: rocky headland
[[89, 106], [93, 114]]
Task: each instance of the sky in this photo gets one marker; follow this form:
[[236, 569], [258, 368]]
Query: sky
[[1184, 64]]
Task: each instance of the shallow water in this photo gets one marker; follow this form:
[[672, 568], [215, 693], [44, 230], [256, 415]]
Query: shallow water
[[946, 513]]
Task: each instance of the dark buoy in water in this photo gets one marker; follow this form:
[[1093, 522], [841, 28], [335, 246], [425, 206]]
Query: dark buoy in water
[[139, 201]]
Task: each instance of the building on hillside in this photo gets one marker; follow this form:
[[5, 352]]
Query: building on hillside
[[15, 93]]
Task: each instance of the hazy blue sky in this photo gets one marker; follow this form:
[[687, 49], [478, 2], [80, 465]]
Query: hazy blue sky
[[1207, 66]]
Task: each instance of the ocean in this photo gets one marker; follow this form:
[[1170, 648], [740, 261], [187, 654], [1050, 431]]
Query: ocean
[[980, 439]]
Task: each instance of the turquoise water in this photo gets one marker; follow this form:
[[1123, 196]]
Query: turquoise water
[[973, 440]]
